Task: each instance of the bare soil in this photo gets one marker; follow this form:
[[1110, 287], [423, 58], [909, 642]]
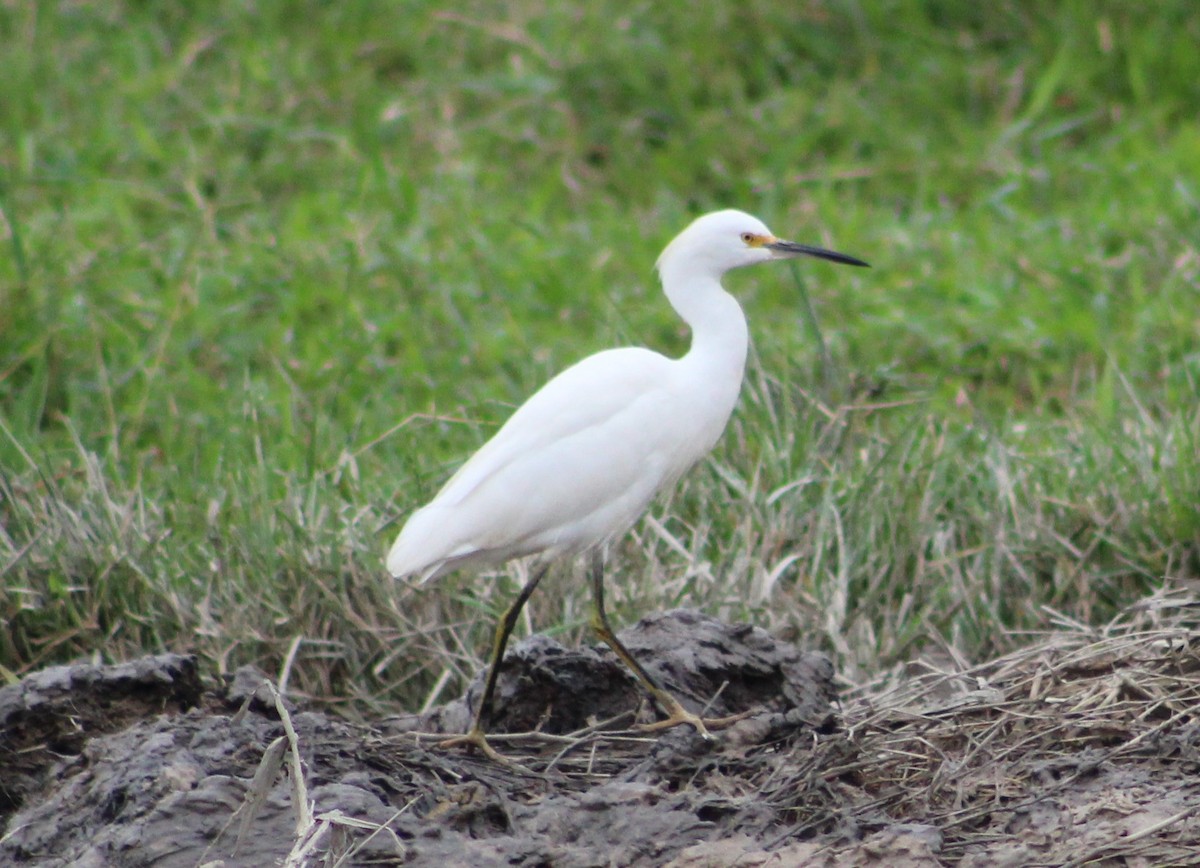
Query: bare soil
[[1081, 749]]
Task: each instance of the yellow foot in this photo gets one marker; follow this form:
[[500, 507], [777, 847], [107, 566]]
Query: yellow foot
[[677, 714], [475, 739]]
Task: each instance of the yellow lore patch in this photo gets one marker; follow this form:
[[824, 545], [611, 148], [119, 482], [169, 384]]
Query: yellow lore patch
[[751, 239]]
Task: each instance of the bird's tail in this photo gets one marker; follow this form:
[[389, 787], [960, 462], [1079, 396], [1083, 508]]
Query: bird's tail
[[422, 549]]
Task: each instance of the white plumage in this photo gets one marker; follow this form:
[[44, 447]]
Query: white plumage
[[577, 464], [580, 461]]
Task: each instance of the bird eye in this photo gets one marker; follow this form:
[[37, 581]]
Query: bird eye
[[749, 237]]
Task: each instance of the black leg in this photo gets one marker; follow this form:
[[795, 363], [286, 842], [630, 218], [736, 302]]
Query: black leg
[[504, 629], [508, 621]]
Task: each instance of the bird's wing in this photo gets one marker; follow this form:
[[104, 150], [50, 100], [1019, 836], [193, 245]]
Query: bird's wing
[[585, 395], [580, 459]]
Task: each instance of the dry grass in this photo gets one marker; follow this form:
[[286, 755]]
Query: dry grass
[[1080, 747], [976, 751], [835, 532]]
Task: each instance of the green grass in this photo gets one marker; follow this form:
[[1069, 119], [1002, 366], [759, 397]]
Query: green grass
[[268, 271]]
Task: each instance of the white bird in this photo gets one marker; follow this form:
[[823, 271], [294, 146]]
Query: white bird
[[578, 463]]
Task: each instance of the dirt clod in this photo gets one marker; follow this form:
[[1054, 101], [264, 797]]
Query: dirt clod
[[1080, 749]]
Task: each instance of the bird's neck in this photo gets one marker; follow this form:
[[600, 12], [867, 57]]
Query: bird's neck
[[720, 337]]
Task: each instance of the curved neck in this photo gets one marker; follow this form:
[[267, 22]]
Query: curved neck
[[720, 337]]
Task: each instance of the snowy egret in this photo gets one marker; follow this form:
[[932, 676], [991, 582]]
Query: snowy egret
[[578, 463]]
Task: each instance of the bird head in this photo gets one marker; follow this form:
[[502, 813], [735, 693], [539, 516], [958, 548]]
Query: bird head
[[724, 240]]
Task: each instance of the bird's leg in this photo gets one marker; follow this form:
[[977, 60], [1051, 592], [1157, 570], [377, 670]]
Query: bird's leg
[[475, 737], [676, 713]]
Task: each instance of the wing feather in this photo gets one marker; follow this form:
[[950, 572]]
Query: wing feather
[[579, 460]]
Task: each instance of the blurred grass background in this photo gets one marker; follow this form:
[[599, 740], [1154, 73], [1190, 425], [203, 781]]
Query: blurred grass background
[[269, 270]]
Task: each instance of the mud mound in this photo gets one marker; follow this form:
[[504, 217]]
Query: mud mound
[[1083, 748]]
